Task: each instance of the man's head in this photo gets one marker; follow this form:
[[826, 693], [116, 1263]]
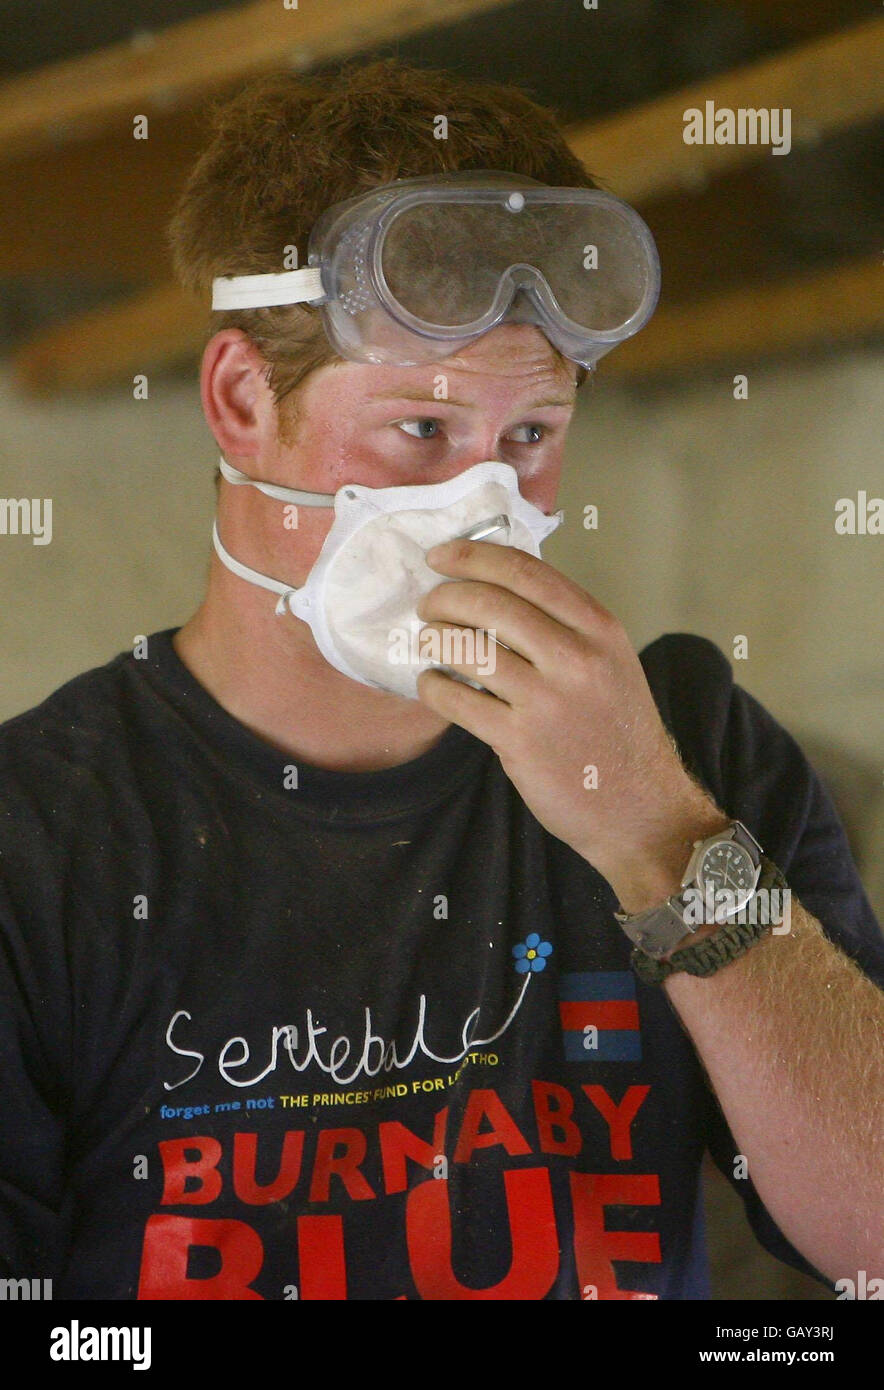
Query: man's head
[[286, 148], [283, 406]]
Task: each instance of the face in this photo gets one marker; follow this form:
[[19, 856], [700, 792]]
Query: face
[[505, 397]]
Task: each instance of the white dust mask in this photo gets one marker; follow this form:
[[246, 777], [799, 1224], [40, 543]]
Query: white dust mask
[[359, 598]]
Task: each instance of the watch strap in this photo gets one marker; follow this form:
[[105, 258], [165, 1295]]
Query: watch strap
[[658, 930], [743, 836], [711, 953]]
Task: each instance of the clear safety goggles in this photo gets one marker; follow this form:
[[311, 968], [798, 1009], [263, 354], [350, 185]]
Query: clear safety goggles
[[415, 270]]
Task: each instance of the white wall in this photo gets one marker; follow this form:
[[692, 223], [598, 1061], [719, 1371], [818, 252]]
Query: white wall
[[131, 483]]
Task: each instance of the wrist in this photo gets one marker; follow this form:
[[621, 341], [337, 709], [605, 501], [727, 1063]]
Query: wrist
[[712, 947], [653, 873]]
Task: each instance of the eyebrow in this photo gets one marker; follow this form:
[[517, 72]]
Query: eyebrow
[[421, 397]]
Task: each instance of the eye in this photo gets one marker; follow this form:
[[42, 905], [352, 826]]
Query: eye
[[537, 430], [420, 432]]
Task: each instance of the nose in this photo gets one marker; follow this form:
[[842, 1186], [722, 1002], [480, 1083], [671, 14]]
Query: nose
[[453, 467], [482, 449]]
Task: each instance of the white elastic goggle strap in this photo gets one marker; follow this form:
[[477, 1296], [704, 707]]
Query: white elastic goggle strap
[[302, 286], [281, 494]]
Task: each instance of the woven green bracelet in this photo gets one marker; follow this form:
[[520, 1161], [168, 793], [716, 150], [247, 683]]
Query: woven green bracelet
[[715, 951]]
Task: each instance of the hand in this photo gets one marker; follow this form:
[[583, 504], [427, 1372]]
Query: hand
[[567, 695]]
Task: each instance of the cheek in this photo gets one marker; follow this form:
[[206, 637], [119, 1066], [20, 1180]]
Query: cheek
[[352, 462], [330, 454], [541, 486], [296, 549]]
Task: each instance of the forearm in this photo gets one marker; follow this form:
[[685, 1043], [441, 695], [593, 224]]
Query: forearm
[[791, 1036]]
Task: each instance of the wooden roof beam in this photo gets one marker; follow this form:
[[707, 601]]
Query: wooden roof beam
[[829, 84], [164, 326], [82, 97], [838, 304]]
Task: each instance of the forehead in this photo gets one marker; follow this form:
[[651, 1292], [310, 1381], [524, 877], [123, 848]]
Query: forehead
[[513, 364], [512, 350]]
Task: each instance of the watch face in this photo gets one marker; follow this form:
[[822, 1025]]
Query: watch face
[[727, 866]]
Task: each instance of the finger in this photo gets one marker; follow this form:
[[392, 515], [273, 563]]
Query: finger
[[480, 658], [480, 713], [512, 620], [524, 575]]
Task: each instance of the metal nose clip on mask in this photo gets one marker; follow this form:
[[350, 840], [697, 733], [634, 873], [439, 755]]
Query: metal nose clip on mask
[[360, 596]]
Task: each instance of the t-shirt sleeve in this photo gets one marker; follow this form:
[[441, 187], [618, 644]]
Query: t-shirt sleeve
[[758, 774]]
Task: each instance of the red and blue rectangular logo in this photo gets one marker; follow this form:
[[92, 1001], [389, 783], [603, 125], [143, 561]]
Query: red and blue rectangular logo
[[599, 1016]]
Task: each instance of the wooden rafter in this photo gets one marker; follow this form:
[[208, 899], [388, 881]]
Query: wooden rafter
[[147, 331], [180, 65], [163, 326], [835, 304], [84, 203], [829, 84], [71, 210]]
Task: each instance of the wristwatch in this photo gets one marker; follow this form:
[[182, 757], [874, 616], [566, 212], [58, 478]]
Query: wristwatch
[[730, 860], [712, 953]]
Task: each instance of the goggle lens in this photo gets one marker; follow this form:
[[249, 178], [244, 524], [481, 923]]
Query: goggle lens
[[444, 263]]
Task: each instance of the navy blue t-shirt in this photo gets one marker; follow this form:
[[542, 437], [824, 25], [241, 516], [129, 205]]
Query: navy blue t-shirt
[[269, 1031]]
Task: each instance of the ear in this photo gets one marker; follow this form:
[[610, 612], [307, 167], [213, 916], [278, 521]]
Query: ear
[[237, 401]]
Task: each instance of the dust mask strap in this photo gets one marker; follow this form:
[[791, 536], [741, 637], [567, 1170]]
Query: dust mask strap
[[280, 494]]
